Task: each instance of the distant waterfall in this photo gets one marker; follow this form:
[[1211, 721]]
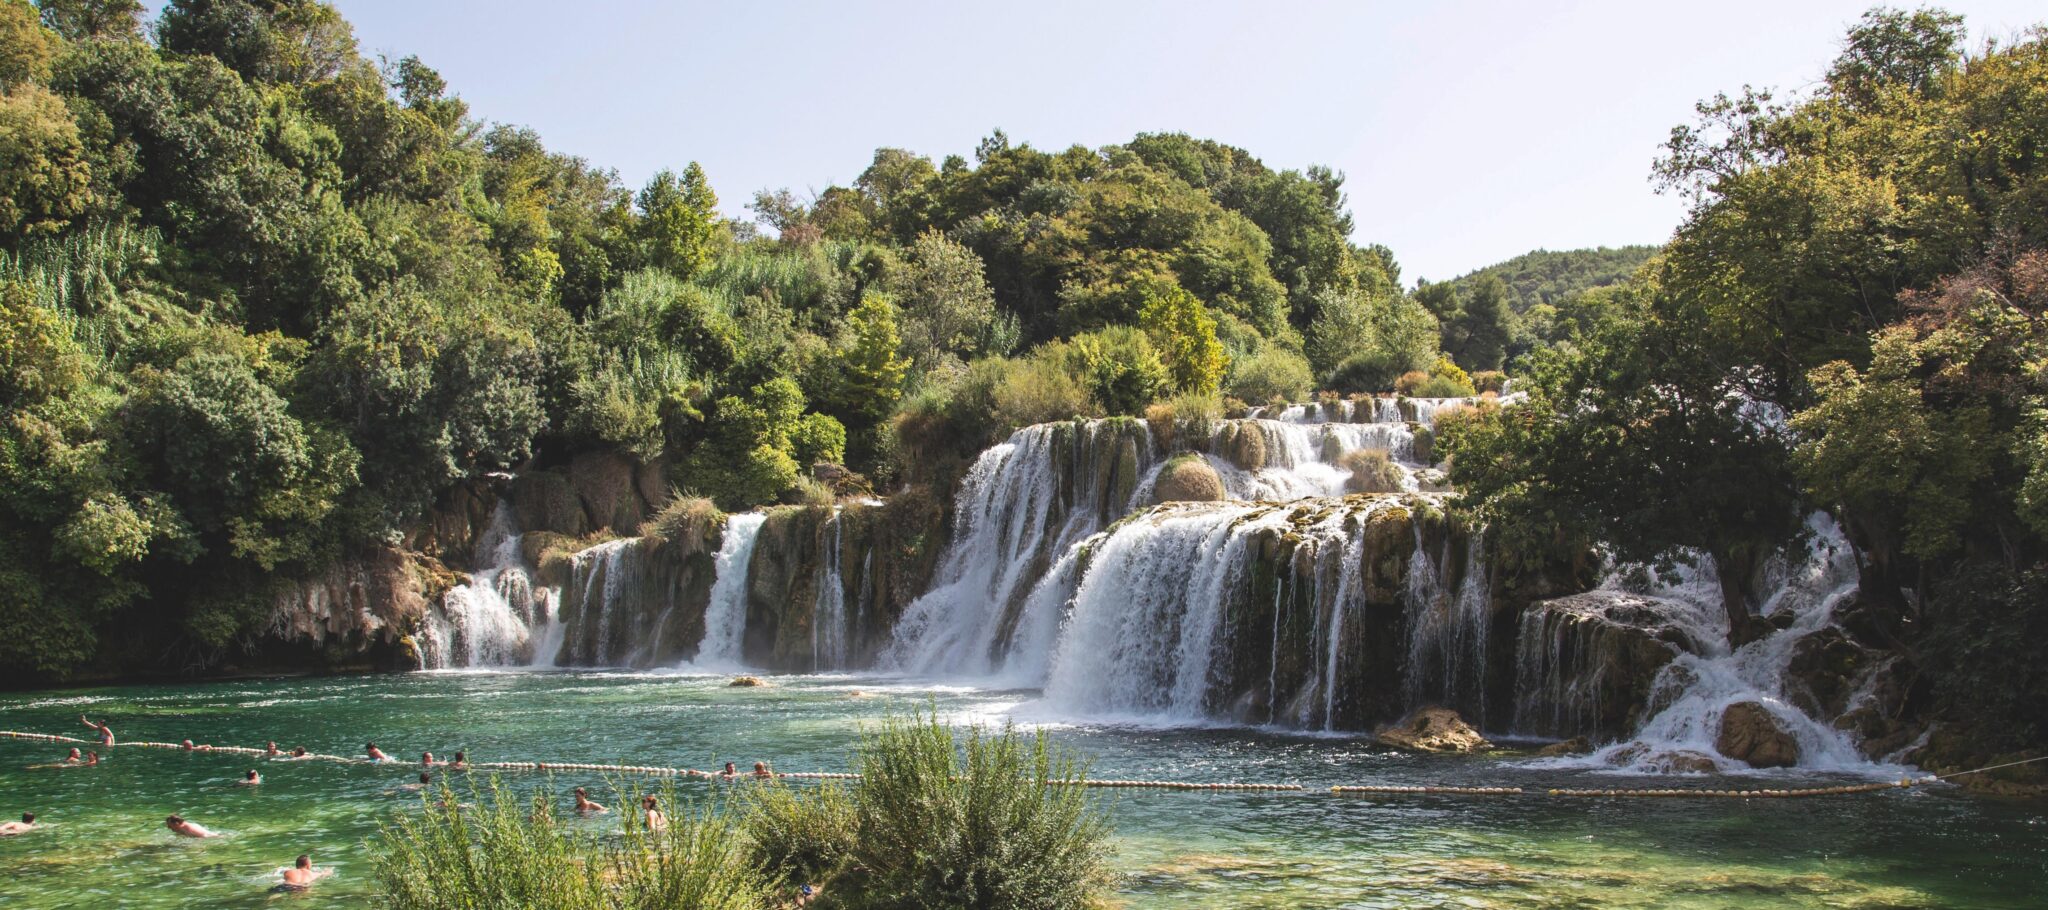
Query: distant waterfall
[[725, 620], [492, 619]]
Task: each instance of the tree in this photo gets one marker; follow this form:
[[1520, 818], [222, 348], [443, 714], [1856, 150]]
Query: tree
[[1185, 334], [679, 221], [1482, 325], [946, 303], [78, 20], [1360, 343], [871, 372]]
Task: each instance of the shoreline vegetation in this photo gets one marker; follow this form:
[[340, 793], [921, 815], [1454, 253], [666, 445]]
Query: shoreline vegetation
[[935, 820]]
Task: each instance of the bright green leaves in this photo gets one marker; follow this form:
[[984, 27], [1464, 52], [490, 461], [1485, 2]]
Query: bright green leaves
[[1185, 335]]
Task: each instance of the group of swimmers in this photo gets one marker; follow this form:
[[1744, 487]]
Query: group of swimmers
[[302, 874]]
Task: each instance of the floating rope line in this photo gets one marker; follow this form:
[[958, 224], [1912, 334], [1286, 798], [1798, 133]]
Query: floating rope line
[[1340, 790]]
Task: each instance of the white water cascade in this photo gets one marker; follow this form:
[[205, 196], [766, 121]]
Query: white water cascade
[[725, 619], [498, 618], [1693, 690], [829, 632]]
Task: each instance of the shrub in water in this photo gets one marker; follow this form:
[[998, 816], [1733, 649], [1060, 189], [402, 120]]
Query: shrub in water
[[1371, 472]]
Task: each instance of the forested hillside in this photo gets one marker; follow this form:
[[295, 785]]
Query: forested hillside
[[265, 300], [1531, 301]]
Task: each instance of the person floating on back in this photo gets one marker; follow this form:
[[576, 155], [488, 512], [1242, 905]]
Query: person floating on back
[[584, 806], [27, 824], [302, 874], [106, 732], [250, 779], [183, 828], [375, 753]]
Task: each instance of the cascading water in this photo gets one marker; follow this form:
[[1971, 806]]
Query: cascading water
[[829, 633], [1022, 505], [725, 619], [1693, 692], [490, 620], [1447, 637]]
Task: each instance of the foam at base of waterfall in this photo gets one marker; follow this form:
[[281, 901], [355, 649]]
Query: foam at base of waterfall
[[1691, 693]]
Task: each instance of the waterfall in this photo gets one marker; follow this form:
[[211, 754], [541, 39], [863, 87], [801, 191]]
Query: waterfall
[[829, 633], [1022, 505], [490, 620], [1139, 637], [725, 620], [1447, 638], [599, 577], [1690, 693]]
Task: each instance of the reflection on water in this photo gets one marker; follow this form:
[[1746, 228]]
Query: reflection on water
[[102, 842]]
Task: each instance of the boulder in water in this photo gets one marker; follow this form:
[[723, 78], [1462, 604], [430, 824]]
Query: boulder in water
[[1577, 745], [1751, 735], [1187, 479], [1432, 729], [747, 682]]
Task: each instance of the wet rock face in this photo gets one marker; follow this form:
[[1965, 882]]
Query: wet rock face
[[357, 610], [606, 488], [1586, 664], [1188, 479], [1825, 669], [1751, 735], [1432, 729]]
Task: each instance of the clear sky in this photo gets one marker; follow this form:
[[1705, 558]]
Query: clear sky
[[1470, 132]]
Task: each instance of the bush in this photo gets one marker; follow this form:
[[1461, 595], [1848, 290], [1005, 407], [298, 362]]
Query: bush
[[816, 438], [1271, 372], [1371, 472], [1408, 382], [503, 852], [1185, 416], [1440, 387], [1122, 370], [934, 822], [1489, 381], [682, 518], [1037, 390]]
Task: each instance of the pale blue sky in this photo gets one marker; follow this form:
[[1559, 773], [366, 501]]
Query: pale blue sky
[[1470, 132]]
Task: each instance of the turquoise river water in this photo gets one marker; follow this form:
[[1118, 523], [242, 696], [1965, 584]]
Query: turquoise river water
[[102, 843]]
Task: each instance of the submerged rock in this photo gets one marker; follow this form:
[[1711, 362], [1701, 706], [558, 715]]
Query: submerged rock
[[747, 682], [1577, 745], [1749, 734], [1187, 479], [1432, 729]]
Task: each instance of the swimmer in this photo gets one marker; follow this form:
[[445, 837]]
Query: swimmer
[[426, 780], [73, 758], [731, 771], [426, 759], [91, 759], [299, 752], [250, 779], [585, 807], [183, 828], [375, 753], [70, 761], [27, 823], [761, 770], [656, 822], [461, 762], [302, 875], [106, 732], [187, 745], [270, 749]]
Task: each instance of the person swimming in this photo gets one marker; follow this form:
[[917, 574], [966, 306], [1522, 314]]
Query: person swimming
[[461, 762], [91, 759], [270, 749], [656, 821], [303, 874], [426, 780], [106, 732], [74, 758], [299, 752], [761, 770], [187, 745], [27, 824], [183, 828], [731, 771], [69, 761], [250, 779], [427, 759], [584, 806], [375, 753]]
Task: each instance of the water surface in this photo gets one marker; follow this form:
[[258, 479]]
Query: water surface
[[103, 843]]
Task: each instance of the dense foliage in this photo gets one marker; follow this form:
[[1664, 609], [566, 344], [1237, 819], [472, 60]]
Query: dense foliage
[[1531, 301], [263, 302], [1850, 319]]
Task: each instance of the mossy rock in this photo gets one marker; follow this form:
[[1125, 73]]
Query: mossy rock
[[1243, 444], [1188, 479]]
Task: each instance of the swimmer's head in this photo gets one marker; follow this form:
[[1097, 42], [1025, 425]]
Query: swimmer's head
[[426, 778], [173, 820], [305, 861], [28, 818]]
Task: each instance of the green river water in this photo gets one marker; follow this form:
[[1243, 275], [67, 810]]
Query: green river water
[[103, 845]]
